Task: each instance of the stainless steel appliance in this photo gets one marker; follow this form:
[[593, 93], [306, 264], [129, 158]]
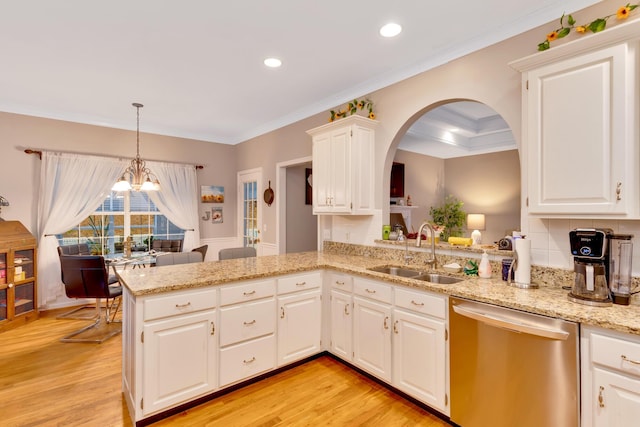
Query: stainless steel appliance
[[590, 250], [620, 259], [511, 368]]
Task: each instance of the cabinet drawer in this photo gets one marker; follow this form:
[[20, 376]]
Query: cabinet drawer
[[247, 291], [246, 360], [179, 303], [422, 302], [299, 282], [344, 282], [616, 353], [371, 289], [246, 321]]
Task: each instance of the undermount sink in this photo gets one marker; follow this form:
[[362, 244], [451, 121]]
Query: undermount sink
[[396, 271], [438, 278]]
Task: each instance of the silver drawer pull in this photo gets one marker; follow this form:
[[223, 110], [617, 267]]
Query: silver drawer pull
[[247, 362], [386, 325], [183, 305], [246, 294], [370, 291], [253, 322], [346, 309], [301, 284], [419, 304], [625, 359], [339, 282]]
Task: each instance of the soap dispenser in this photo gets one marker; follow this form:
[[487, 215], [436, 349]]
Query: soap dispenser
[[484, 269]]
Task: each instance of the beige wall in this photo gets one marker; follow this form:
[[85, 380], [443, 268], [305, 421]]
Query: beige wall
[[485, 183], [488, 184], [19, 173]]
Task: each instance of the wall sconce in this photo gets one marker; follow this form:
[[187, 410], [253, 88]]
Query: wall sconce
[[3, 202], [475, 222]]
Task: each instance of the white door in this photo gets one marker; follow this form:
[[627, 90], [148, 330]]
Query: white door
[[372, 337], [249, 212], [616, 399], [180, 360], [341, 325], [299, 326], [419, 358]]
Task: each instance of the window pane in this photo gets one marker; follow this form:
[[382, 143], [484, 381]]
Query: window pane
[[140, 202], [113, 203]]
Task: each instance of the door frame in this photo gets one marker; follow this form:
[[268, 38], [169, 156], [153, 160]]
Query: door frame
[[281, 202], [255, 173]]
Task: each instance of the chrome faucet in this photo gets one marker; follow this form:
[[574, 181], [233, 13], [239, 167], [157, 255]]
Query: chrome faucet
[[433, 261], [407, 257]]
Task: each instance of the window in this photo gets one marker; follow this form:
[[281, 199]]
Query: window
[[121, 215]]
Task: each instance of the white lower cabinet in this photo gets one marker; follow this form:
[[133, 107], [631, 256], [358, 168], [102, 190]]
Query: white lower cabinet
[[247, 330], [180, 346], [169, 349], [610, 378], [372, 327], [179, 359], [299, 317], [341, 325], [419, 348]]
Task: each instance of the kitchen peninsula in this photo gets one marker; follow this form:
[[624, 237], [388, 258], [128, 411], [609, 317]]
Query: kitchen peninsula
[[170, 308]]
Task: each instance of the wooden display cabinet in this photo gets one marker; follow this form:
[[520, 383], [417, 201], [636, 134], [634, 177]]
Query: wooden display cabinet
[[18, 275]]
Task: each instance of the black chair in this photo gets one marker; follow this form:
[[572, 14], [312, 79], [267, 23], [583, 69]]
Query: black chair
[[202, 249], [79, 312], [86, 276], [231, 253]]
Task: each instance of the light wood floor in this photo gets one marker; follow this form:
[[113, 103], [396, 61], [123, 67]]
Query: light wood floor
[[44, 382]]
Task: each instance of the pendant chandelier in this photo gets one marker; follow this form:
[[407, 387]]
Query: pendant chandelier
[[137, 176]]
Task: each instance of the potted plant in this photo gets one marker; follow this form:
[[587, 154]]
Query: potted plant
[[450, 216]]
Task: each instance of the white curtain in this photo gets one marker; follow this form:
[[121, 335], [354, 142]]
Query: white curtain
[[72, 186], [178, 198]]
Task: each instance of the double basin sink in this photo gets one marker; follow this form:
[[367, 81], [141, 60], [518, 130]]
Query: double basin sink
[[416, 274]]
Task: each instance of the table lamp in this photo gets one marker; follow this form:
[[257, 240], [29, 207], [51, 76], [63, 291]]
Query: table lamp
[[475, 222]]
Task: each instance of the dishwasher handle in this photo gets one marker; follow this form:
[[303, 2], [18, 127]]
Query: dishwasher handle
[[492, 320]]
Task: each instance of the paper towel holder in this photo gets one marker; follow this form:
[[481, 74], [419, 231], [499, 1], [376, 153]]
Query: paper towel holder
[[514, 267]]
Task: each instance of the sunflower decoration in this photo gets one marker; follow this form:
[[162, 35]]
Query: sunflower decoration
[[352, 108], [567, 23]]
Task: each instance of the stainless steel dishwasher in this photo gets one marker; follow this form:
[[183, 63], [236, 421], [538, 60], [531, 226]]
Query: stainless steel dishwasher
[[511, 368]]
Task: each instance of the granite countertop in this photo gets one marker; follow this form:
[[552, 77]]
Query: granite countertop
[[549, 299]]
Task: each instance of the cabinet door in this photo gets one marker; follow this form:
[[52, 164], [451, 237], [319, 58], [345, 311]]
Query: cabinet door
[[299, 326], [179, 360], [372, 337], [580, 139], [340, 170], [616, 399], [419, 358], [341, 325], [321, 173]]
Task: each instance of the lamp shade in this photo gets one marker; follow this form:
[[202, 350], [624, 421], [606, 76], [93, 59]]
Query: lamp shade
[[475, 222]]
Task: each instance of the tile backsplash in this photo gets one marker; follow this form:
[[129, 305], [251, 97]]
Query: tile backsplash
[[550, 239]]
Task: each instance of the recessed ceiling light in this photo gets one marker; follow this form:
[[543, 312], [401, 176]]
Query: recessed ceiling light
[[272, 62], [390, 30]]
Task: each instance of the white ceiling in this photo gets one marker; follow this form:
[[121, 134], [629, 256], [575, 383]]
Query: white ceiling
[[197, 64], [459, 129]]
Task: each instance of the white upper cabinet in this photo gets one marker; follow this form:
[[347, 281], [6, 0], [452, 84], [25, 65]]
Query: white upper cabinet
[[580, 127], [343, 160]]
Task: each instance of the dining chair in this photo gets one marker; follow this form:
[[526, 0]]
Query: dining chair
[[231, 253], [178, 258], [86, 276]]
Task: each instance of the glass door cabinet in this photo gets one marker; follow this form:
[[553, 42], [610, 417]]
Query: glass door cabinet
[[18, 275]]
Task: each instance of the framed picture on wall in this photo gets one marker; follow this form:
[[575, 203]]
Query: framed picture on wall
[[216, 215], [212, 194]]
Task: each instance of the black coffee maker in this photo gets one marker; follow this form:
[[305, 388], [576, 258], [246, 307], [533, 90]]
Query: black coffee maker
[[590, 250]]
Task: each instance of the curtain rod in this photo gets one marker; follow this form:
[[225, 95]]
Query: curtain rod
[[39, 153]]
